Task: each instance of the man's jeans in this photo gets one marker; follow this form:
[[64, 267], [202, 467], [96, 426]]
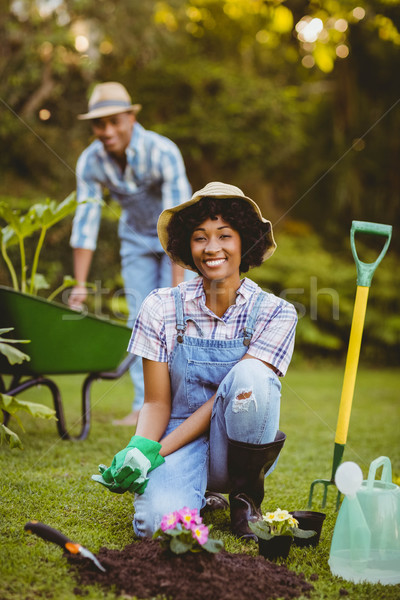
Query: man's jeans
[[145, 267]]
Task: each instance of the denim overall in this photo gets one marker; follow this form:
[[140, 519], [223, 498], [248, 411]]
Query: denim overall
[[246, 409]]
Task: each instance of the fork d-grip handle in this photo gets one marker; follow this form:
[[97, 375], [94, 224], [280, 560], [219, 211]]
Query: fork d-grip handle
[[365, 271], [47, 533]]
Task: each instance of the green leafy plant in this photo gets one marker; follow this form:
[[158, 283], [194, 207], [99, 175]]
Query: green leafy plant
[[12, 405], [278, 523], [184, 531], [39, 218], [13, 355]]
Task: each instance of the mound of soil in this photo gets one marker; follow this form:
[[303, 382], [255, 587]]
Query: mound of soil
[[144, 569]]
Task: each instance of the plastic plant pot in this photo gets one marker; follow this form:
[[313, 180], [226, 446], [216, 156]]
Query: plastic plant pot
[[309, 519], [275, 548]]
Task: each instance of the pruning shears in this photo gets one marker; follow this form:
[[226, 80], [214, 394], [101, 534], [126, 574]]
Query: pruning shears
[[52, 535]]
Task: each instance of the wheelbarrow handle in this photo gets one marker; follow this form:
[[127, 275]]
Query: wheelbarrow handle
[[365, 271]]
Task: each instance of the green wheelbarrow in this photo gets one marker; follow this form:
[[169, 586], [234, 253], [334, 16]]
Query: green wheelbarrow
[[62, 342]]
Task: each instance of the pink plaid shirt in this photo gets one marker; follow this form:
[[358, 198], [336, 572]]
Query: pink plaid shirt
[[154, 332]]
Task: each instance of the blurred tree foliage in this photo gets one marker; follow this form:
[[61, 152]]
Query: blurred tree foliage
[[296, 101]]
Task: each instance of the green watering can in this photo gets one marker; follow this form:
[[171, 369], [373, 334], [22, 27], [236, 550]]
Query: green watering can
[[366, 539]]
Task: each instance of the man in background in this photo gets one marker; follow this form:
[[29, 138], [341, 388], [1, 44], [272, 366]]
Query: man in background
[[145, 173]]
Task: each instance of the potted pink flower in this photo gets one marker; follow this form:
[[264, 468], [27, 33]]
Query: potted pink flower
[[184, 531]]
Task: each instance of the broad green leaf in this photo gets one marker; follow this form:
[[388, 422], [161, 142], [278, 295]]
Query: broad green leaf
[[10, 437], [20, 227], [213, 546], [9, 215], [303, 533], [173, 532], [12, 405], [40, 215], [39, 282], [48, 213], [66, 207], [8, 236], [13, 355], [261, 530], [179, 546]]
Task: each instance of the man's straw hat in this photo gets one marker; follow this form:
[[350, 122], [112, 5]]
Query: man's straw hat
[[108, 99], [215, 189]]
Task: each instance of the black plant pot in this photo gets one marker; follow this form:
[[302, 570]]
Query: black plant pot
[[309, 519], [276, 547]]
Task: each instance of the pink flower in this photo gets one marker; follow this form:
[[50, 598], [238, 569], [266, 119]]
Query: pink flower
[[169, 521], [200, 533], [189, 517]]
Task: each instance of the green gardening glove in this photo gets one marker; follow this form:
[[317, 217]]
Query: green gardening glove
[[129, 468]]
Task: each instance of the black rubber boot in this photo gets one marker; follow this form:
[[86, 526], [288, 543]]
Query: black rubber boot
[[214, 501], [247, 465]]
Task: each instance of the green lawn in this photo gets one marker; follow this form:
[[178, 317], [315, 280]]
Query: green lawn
[[50, 479]]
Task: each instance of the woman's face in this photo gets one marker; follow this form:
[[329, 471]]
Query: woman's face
[[216, 251]]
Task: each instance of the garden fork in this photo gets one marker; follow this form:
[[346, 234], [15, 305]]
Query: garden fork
[[365, 272]]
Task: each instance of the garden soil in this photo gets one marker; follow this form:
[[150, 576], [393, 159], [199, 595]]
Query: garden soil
[[146, 570]]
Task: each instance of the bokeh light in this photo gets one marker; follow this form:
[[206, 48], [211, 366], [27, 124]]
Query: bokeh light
[[308, 29], [342, 51], [341, 25], [359, 13], [81, 43], [308, 61], [44, 114]]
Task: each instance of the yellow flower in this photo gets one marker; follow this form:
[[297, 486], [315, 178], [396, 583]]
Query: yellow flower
[[281, 515], [293, 522], [269, 517]]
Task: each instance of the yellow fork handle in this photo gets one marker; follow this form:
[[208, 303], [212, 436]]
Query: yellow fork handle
[[350, 372]]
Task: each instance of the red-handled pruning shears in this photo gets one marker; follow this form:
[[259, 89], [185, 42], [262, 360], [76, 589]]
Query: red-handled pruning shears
[[52, 535]]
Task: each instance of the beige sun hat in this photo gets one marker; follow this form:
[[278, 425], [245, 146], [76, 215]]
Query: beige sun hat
[[215, 189], [108, 99]]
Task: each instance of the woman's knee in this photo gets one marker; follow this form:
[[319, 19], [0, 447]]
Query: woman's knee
[[150, 509], [249, 383], [181, 481]]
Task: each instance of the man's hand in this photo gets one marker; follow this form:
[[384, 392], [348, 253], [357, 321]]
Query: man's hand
[[82, 261], [77, 297]]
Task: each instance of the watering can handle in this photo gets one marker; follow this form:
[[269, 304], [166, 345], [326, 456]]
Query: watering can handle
[[365, 271], [386, 471]]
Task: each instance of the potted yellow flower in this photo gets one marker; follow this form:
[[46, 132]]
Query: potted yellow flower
[[275, 532]]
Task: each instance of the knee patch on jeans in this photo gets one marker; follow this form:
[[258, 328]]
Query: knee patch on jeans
[[243, 400]]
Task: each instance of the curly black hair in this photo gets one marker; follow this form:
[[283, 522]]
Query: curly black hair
[[237, 213]]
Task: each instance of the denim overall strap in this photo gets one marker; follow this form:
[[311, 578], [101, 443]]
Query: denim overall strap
[[180, 323], [248, 329]]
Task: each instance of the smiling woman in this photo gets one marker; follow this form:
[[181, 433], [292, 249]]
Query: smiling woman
[[257, 241], [216, 252], [213, 349]]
